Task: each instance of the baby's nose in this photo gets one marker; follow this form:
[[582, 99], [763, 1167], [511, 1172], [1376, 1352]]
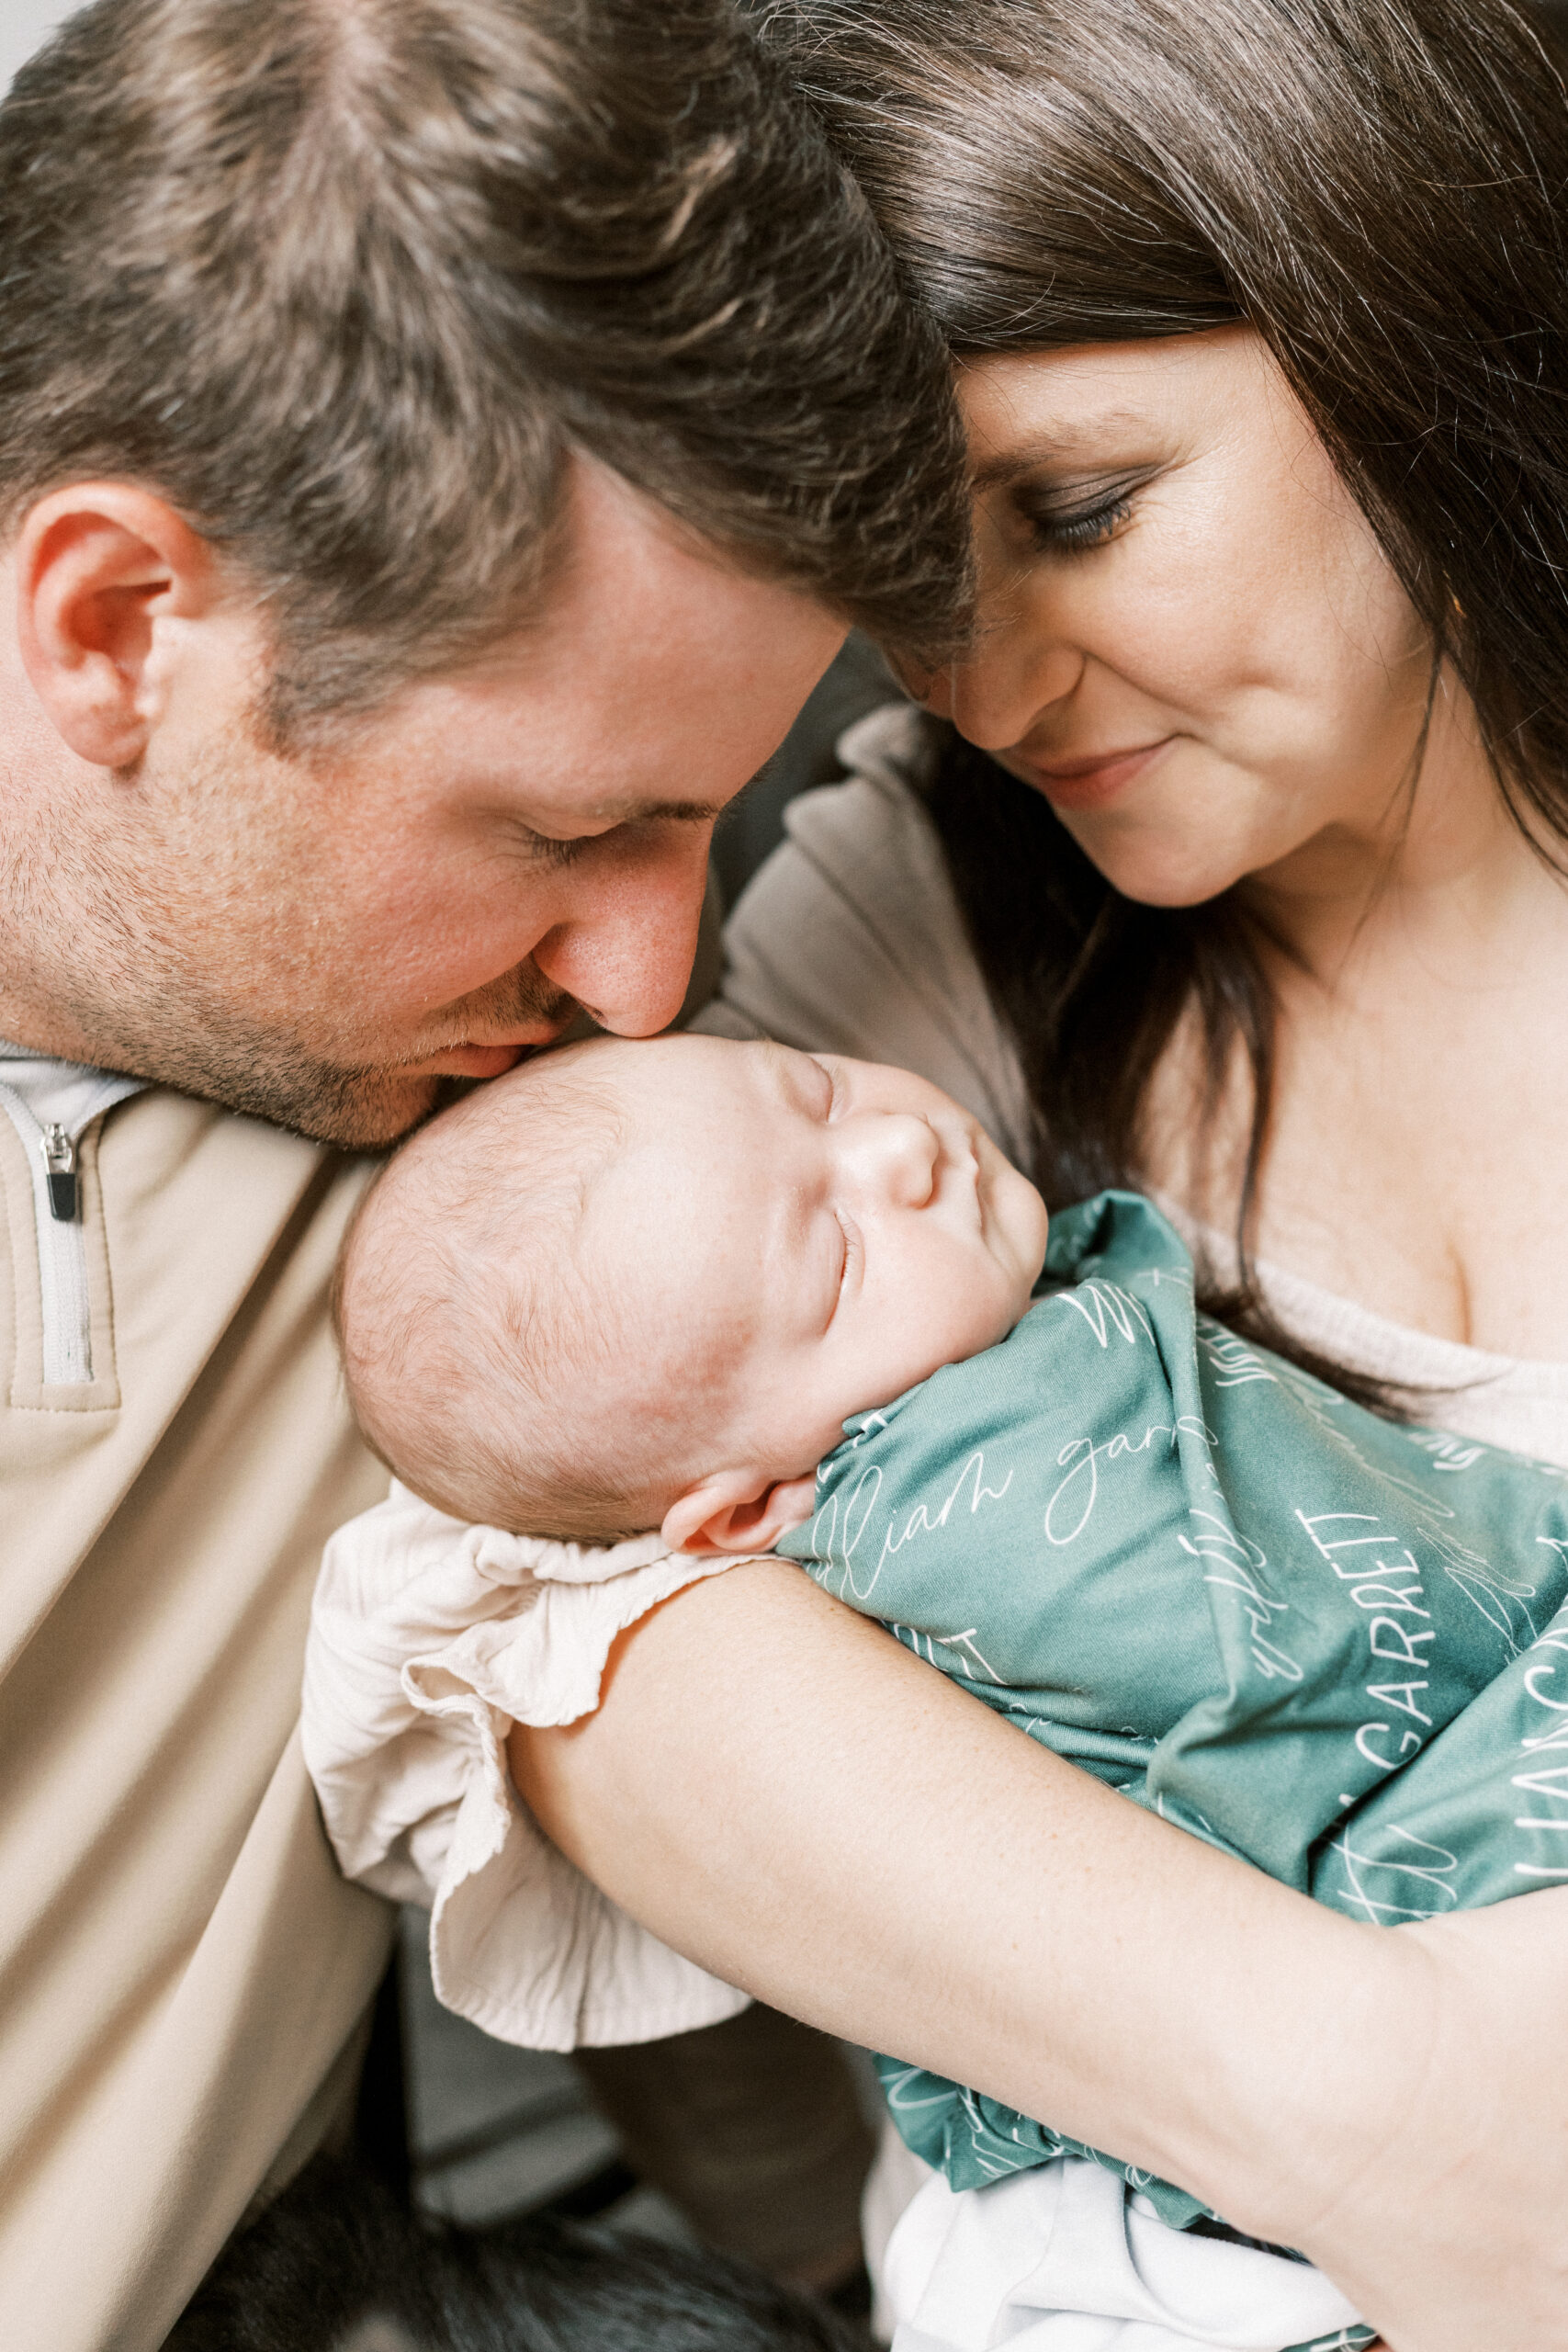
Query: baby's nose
[[894, 1155]]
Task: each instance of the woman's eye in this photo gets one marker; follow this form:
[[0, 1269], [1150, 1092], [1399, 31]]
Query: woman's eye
[[1070, 531]]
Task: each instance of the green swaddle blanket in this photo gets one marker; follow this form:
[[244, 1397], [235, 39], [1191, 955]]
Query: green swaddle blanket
[[1325, 1643]]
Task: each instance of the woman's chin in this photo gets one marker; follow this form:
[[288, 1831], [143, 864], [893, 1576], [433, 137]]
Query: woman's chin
[[1155, 865], [1188, 825]]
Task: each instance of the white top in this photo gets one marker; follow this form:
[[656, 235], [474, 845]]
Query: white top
[[429, 1636]]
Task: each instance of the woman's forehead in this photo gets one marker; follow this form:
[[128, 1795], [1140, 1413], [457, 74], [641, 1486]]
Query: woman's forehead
[[1030, 409]]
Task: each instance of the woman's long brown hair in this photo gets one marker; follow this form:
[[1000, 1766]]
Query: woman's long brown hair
[[1378, 187]]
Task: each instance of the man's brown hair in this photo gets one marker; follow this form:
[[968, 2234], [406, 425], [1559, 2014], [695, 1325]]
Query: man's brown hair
[[346, 281]]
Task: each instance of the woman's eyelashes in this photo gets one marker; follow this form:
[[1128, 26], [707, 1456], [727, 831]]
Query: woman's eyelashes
[[1070, 522], [1074, 532]]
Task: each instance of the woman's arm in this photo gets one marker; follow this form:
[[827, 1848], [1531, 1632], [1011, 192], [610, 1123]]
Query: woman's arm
[[782, 1791]]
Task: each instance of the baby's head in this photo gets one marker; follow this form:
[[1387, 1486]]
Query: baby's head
[[644, 1285]]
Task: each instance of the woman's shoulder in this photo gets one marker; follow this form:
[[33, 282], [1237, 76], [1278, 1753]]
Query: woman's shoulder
[[870, 839], [850, 939], [861, 862], [892, 750]]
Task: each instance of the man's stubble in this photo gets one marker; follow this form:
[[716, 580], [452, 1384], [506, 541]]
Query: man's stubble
[[179, 935]]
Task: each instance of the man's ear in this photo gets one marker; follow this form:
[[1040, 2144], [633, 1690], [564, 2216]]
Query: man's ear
[[738, 1512], [102, 570]]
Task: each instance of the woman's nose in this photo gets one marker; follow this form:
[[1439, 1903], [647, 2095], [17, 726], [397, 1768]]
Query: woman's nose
[[891, 1155], [1020, 663]]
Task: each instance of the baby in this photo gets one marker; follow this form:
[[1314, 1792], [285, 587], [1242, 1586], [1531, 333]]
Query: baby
[[654, 1286], [643, 1285]]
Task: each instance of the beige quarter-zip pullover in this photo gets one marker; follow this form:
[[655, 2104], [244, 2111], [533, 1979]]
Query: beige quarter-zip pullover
[[183, 1972]]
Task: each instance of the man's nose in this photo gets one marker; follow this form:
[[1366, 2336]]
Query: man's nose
[[889, 1155], [626, 946]]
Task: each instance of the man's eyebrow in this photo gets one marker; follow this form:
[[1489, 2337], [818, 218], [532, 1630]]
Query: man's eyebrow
[[1081, 444]]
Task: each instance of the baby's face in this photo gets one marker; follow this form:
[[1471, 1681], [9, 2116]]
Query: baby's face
[[819, 1233]]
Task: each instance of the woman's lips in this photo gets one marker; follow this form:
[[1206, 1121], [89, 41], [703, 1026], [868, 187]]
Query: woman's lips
[[1090, 782]]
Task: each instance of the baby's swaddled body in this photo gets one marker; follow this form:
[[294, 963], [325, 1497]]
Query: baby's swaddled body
[[1330, 1644], [638, 1288]]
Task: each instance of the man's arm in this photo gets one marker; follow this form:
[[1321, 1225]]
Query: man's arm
[[780, 1790]]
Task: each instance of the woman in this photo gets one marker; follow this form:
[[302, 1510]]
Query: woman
[[1259, 315]]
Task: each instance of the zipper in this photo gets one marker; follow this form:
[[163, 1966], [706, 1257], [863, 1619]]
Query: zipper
[[53, 1153], [59, 1151]]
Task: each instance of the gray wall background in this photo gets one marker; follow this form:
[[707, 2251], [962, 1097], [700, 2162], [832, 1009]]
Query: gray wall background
[[23, 26]]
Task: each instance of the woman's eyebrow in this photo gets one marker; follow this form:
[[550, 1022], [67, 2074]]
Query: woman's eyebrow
[[1080, 444]]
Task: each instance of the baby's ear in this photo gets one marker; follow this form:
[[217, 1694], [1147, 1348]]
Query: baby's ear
[[738, 1512]]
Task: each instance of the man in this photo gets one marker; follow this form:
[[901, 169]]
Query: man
[[441, 443]]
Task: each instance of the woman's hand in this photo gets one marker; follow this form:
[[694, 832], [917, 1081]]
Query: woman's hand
[[779, 1790]]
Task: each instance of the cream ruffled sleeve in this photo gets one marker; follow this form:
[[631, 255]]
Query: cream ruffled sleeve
[[428, 1639]]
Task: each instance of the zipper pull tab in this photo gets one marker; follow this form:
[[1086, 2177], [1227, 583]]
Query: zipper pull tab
[[60, 1162]]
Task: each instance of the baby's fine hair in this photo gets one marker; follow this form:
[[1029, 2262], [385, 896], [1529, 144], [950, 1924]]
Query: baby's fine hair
[[482, 1363]]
